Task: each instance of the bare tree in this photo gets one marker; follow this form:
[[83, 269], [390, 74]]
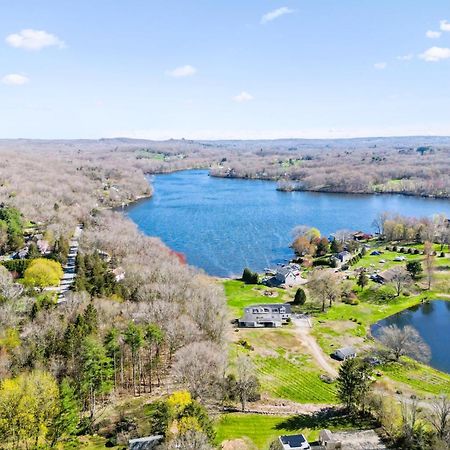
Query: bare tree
[[399, 277], [429, 262], [409, 409], [190, 440], [246, 382], [404, 341], [8, 289], [324, 286], [200, 368], [440, 417]]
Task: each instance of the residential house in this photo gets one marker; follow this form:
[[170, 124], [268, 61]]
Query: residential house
[[288, 275], [270, 315], [361, 236], [344, 256], [145, 443]]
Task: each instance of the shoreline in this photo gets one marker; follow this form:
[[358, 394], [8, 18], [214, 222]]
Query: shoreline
[[317, 191]]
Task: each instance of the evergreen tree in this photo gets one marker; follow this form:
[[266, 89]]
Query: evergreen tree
[[335, 246], [66, 421], [414, 268], [300, 297], [363, 279], [353, 383]]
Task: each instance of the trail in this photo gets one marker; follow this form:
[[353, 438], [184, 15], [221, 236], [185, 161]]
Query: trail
[[302, 330]]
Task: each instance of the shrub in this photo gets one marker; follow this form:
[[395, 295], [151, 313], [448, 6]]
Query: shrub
[[300, 297], [249, 277]]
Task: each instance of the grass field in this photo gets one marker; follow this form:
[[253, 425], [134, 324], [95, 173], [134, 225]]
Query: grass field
[[285, 369], [239, 295], [261, 430], [420, 377], [294, 380]]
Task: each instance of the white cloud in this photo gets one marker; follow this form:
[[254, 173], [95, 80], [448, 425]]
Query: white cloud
[[243, 97], [435, 54], [433, 34], [182, 71], [407, 57], [34, 40], [380, 65], [444, 25], [272, 15], [15, 79]]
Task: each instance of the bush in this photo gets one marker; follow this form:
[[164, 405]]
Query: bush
[[300, 297], [17, 265], [249, 277], [42, 273]]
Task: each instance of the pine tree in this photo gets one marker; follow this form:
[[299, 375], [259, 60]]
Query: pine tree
[[66, 421]]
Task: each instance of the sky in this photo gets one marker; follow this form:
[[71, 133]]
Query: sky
[[224, 69]]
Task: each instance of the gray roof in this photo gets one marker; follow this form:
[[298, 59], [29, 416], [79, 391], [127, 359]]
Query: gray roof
[[287, 306], [345, 351]]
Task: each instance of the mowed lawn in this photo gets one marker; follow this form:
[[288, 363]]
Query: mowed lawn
[[261, 430], [239, 295]]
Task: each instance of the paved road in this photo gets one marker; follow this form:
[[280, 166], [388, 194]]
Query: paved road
[[68, 278]]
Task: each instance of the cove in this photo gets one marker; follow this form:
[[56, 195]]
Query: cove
[[432, 321], [222, 225]]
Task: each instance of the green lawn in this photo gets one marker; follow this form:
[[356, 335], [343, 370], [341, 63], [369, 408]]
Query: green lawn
[[261, 430], [420, 377], [239, 295], [284, 369], [294, 379]]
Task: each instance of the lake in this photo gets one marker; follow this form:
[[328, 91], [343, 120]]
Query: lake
[[225, 224], [432, 321]]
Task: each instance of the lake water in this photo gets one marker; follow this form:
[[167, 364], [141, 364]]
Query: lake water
[[432, 321], [223, 225]]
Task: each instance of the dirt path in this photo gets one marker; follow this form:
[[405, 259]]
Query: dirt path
[[302, 330]]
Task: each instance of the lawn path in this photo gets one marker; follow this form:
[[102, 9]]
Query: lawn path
[[302, 330]]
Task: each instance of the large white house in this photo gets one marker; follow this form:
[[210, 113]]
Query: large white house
[[270, 315]]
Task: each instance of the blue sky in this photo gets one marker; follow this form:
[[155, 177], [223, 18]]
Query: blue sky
[[224, 68]]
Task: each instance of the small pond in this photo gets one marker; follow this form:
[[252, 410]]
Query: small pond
[[432, 321]]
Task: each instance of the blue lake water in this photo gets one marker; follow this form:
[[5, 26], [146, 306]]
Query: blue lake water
[[432, 321], [223, 225]]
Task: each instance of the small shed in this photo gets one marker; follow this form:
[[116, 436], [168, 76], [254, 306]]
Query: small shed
[[344, 353]]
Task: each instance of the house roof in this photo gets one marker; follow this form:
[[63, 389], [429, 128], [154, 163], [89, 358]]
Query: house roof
[[293, 441], [287, 306], [345, 351]]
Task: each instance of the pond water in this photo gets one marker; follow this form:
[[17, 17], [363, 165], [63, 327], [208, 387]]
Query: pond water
[[223, 225], [432, 321]]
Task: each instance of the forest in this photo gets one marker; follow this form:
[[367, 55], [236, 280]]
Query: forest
[[64, 362], [139, 323]]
